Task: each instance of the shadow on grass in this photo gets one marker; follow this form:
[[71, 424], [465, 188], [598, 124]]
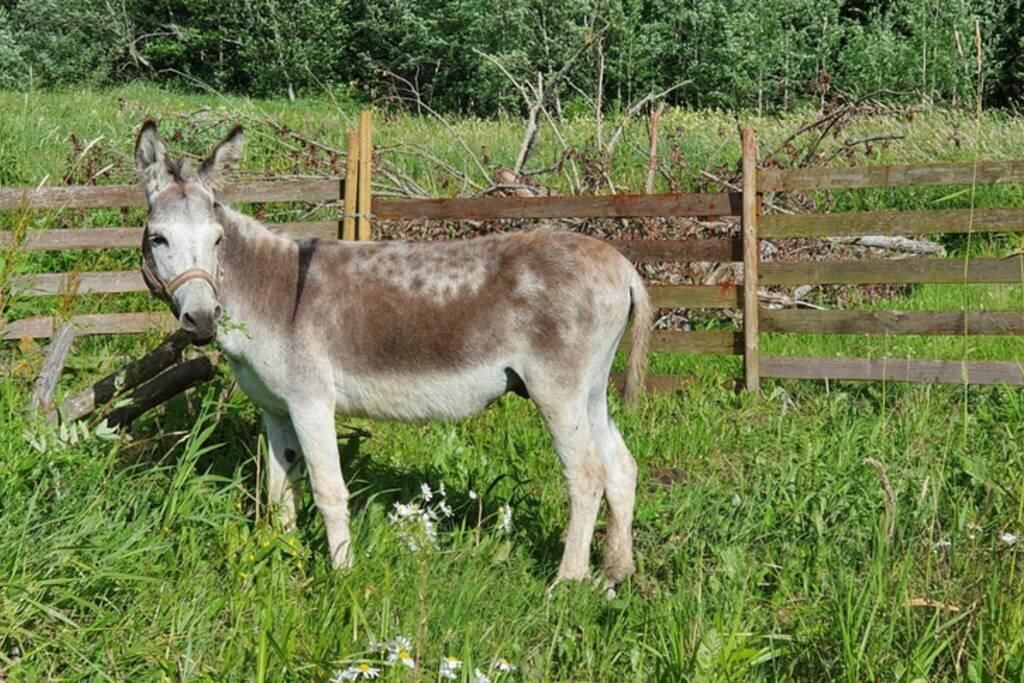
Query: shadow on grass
[[159, 439]]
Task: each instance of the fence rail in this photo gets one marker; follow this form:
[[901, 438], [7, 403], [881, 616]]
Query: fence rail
[[353, 201]]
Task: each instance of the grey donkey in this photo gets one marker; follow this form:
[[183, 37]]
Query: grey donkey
[[401, 331]]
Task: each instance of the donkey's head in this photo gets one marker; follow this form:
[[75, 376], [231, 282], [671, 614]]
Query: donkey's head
[[181, 242]]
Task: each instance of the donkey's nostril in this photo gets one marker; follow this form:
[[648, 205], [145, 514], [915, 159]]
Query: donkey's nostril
[[188, 322], [217, 312]]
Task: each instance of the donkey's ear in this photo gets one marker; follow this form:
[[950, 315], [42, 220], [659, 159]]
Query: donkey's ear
[[223, 160], [151, 160]]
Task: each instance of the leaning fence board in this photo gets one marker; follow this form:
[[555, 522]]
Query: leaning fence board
[[895, 271], [984, 173], [695, 296], [894, 322], [601, 206], [96, 323], [893, 370], [120, 196], [673, 341], [891, 223]]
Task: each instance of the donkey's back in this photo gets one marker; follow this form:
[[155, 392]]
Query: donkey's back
[[441, 329]]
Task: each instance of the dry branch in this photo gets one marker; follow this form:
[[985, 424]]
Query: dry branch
[[164, 387], [128, 377]]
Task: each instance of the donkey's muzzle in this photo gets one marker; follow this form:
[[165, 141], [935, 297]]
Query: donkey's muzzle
[[200, 324]]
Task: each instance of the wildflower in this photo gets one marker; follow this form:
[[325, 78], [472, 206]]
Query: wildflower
[[506, 518], [400, 650], [479, 677], [503, 665], [355, 672], [473, 495], [941, 545], [428, 495], [972, 530], [1008, 538], [446, 510], [442, 491], [449, 665]]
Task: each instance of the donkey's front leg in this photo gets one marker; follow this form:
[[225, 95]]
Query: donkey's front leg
[[314, 425], [283, 467]]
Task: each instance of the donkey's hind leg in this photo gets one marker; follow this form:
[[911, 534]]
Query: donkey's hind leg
[[619, 488], [284, 467], [569, 425], [314, 425]]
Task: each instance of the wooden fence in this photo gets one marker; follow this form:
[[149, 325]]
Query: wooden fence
[[744, 247]]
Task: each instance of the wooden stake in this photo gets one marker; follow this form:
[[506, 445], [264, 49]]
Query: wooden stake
[[751, 256], [45, 386], [348, 220], [365, 171]]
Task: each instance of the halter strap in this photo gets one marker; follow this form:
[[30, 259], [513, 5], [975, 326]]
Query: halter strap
[[190, 274], [166, 290]]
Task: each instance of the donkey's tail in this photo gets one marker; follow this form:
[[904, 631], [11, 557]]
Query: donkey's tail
[[643, 316]]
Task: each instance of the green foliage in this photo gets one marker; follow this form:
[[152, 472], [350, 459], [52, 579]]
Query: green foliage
[[734, 54]]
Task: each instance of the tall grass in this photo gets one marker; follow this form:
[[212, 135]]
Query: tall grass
[[762, 536]]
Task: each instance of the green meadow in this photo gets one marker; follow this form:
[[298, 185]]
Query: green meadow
[[816, 532]]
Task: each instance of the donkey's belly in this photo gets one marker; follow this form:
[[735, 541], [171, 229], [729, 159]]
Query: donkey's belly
[[420, 396]]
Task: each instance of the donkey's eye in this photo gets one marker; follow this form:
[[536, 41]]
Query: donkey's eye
[[219, 240], [158, 241]]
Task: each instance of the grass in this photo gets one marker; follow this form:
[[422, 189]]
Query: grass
[[761, 533]]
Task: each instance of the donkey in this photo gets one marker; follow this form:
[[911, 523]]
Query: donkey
[[438, 330]]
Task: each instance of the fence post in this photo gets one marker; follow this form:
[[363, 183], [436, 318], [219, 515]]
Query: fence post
[[348, 216], [365, 171], [751, 256]]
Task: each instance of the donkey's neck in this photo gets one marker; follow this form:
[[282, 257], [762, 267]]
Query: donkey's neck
[[258, 279]]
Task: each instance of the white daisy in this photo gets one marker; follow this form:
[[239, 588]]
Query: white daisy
[[355, 672], [1008, 538], [503, 665], [442, 490], [426, 492], [446, 510], [479, 677], [473, 495], [400, 650], [449, 665], [506, 518]]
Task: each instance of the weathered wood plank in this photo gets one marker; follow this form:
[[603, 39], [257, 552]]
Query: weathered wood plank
[[894, 322], [43, 390], [893, 370], [895, 271], [695, 296], [673, 341], [987, 172], [656, 251], [118, 196], [892, 223], [131, 238], [602, 206], [51, 284], [40, 327]]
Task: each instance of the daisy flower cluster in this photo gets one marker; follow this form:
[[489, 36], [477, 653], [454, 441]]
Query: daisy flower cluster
[[398, 652], [417, 521]]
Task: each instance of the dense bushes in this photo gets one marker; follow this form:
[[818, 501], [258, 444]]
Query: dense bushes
[[730, 53]]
